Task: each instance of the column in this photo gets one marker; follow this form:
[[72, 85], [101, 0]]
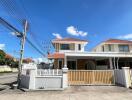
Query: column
[[127, 77], [65, 74], [110, 62], [65, 61], [64, 78], [33, 73]]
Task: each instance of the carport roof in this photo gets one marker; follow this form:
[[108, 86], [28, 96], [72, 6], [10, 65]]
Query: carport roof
[[56, 55], [98, 54]]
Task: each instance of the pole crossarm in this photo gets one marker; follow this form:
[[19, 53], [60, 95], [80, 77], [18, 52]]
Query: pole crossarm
[[23, 38], [12, 28], [9, 26]]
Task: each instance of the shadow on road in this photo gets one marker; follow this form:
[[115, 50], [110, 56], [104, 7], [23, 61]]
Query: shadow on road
[[7, 86]]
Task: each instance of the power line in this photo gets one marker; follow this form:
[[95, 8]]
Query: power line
[[32, 33], [10, 27], [11, 3], [30, 30], [13, 11]]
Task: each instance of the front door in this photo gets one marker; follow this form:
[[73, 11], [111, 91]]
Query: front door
[[90, 65], [71, 65]]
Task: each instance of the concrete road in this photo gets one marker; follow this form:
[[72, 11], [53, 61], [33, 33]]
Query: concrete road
[[72, 93], [6, 78]]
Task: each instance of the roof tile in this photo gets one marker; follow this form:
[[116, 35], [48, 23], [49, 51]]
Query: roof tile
[[118, 41]]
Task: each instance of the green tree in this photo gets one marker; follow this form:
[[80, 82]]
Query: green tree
[[2, 57]]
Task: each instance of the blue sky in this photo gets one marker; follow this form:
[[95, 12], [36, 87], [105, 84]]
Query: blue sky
[[93, 20]]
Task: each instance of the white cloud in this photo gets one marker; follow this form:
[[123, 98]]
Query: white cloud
[[127, 36], [2, 46], [39, 60], [57, 35], [74, 31]]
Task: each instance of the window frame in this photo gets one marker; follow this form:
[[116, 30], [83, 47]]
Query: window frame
[[109, 47], [79, 47], [63, 47], [103, 48], [122, 48]]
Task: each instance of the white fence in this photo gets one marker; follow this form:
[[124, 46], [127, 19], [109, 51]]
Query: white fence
[[46, 79], [131, 75], [49, 72], [123, 77], [119, 77], [53, 79]]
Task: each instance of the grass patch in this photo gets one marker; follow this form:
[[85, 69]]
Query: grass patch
[[6, 72]]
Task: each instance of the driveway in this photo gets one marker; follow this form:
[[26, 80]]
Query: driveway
[[72, 93]]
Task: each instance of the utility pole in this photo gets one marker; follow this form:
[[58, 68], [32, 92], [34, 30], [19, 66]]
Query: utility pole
[[22, 51]]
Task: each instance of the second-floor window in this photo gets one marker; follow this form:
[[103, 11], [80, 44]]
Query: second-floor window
[[103, 48], [65, 47], [123, 48], [79, 46], [109, 47]]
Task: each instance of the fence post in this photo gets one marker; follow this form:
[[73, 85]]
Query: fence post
[[33, 73], [126, 73], [64, 78]]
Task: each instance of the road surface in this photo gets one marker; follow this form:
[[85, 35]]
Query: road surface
[[7, 78], [72, 93]]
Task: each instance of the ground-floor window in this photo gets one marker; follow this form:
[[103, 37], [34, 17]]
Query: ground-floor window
[[71, 64]]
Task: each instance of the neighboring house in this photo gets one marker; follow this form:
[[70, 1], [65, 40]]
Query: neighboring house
[[114, 45], [111, 54]]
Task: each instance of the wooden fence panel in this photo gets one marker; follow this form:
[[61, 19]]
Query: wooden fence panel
[[91, 77]]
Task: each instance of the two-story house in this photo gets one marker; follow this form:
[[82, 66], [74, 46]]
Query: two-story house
[[117, 46], [111, 54], [63, 46], [114, 45]]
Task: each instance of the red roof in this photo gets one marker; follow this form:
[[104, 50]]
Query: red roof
[[56, 55], [8, 56], [69, 39], [118, 41]]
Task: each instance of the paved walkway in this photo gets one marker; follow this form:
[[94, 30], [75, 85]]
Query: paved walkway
[[72, 93]]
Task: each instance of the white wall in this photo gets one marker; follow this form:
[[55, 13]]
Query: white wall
[[130, 47], [119, 77], [123, 77], [34, 81], [114, 48], [48, 82]]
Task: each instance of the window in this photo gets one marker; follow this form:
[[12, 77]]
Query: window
[[79, 46], [109, 47], [65, 47], [103, 48], [123, 48], [71, 64]]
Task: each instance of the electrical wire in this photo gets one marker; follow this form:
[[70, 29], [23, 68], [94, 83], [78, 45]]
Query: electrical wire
[[11, 10]]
